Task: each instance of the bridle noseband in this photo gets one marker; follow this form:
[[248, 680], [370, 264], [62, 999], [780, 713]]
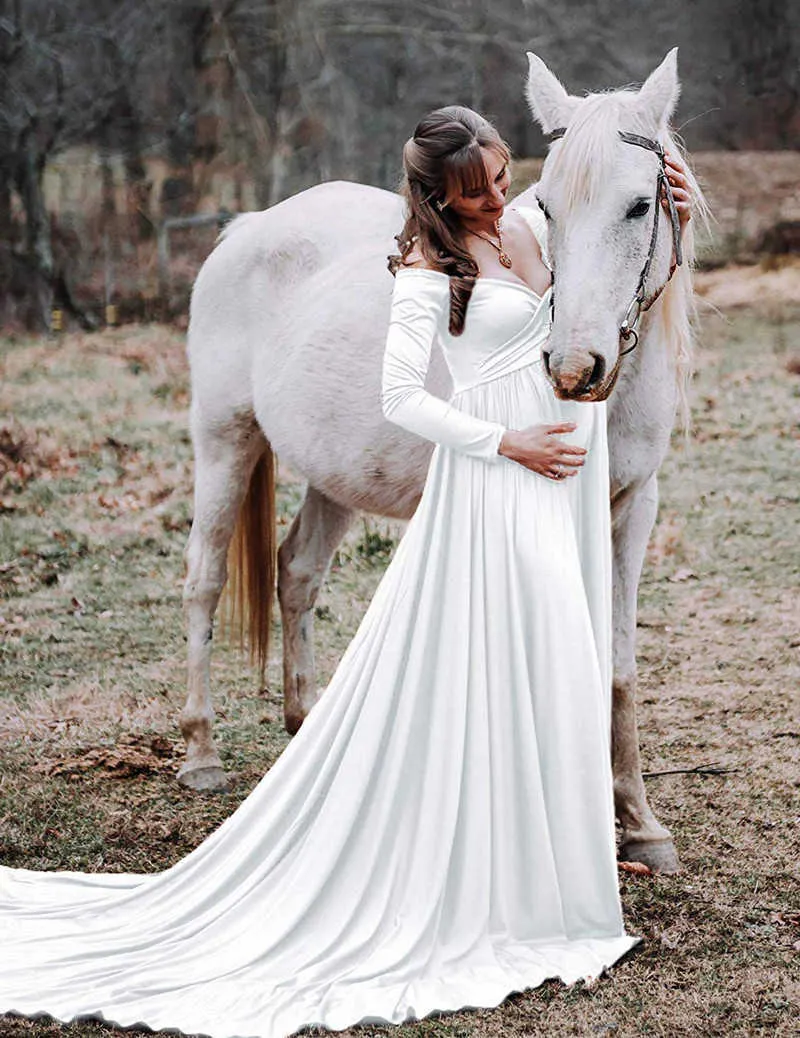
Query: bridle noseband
[[639, 304]]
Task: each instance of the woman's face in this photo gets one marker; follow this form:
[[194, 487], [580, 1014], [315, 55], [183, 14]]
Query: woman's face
[[482, 206]]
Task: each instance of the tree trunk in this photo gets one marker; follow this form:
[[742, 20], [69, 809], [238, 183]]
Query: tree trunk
[[6, 222], [37, 230]]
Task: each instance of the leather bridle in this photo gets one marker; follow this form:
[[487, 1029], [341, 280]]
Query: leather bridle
[[640, 304]]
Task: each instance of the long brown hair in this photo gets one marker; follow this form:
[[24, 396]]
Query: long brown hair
[[442, 160]]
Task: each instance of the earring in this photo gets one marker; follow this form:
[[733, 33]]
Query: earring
[[441, 206]]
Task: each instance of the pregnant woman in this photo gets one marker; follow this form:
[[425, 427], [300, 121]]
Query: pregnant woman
[[440, 833]]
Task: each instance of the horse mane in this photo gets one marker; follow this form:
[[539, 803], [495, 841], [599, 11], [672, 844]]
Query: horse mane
[[583, 163]]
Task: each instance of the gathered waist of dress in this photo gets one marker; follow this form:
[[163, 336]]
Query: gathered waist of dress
[[531, 359]]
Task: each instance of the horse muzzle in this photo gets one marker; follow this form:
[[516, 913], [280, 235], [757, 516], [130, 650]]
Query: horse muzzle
[[580, 375]]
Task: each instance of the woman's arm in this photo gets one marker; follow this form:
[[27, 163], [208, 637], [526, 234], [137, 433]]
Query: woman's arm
[[420, 299], [418, 304]]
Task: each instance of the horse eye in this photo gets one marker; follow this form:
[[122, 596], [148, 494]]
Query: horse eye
[[544, 209], [641, 208]]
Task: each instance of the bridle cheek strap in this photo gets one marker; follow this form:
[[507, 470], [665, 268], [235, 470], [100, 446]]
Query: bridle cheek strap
[[640, 303]]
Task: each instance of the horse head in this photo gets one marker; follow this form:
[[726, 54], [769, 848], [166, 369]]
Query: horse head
[[600, 197]]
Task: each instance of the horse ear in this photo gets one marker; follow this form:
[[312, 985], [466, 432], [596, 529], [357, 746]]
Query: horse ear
[[660, 91], [551, 105]]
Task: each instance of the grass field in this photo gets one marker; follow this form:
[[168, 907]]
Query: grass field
[[95, 505]]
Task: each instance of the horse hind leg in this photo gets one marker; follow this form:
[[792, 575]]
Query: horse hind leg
[[225, 460], [303, 560]]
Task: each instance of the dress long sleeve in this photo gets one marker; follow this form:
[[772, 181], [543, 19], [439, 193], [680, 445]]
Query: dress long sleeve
[[419, 304]]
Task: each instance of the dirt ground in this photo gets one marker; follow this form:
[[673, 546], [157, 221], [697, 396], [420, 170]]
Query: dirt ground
[[95, 505]]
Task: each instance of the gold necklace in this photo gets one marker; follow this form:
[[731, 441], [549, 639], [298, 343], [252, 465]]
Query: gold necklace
[[502, 255]]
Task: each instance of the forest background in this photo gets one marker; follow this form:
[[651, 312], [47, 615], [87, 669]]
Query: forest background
[[131, 129]]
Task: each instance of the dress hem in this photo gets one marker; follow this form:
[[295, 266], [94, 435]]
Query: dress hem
[[420, 1000]]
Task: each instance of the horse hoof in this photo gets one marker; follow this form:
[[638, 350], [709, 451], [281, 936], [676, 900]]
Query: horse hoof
[[293, 722], [204, 780], [657, 855], [298, 709]]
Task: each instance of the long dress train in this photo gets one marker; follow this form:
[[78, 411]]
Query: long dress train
[[440, 833]]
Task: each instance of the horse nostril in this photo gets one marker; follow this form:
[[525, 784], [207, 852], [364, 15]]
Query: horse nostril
[[546, 362], [598, 371]]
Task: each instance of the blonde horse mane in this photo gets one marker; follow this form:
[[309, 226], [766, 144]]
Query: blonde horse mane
[[583, 163]]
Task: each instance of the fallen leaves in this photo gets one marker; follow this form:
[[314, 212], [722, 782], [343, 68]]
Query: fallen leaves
[[668, 539], [684, 573], [636, 868], [119, 505], [134, 755], [25, 456]]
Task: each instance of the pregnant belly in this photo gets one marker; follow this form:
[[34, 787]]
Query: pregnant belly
[[525, 398]]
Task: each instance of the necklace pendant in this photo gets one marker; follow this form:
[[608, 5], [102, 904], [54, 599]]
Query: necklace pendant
[[505, 259]]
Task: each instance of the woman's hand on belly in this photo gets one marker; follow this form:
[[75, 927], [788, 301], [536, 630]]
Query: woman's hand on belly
[[539, 449]]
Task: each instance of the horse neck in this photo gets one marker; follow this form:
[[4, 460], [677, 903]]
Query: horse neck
[[666, 346], [652, 387]]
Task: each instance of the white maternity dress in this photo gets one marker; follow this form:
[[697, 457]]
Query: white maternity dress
[[440, 833]]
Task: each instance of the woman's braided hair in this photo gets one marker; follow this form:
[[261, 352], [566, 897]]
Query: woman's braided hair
[[442, 160]]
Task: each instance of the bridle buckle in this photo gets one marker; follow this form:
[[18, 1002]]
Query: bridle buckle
[[632, 315]]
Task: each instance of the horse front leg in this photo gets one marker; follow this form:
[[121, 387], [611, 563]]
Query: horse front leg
[[644, 839], [303, 560]]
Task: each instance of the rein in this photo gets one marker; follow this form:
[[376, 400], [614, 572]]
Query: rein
[[639, 304]]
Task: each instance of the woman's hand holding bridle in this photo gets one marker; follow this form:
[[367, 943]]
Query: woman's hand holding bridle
[[681, 188], [539, 449]]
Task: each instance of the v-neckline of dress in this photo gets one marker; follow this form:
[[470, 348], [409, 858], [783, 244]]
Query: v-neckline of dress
[[496, 281]]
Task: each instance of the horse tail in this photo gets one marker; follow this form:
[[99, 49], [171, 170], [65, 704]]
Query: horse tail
[[252, 564]]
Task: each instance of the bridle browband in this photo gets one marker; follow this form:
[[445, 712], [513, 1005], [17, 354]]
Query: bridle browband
[[639, 304]]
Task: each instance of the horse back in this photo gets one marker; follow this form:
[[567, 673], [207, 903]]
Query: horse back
[[257, 274]]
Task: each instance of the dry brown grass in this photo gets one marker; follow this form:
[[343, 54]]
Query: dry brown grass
[[91, 665]]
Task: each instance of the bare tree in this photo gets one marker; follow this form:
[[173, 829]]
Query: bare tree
[[60, 84], [299, 91]]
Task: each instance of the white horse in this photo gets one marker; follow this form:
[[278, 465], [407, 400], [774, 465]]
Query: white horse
[[288, 322]]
